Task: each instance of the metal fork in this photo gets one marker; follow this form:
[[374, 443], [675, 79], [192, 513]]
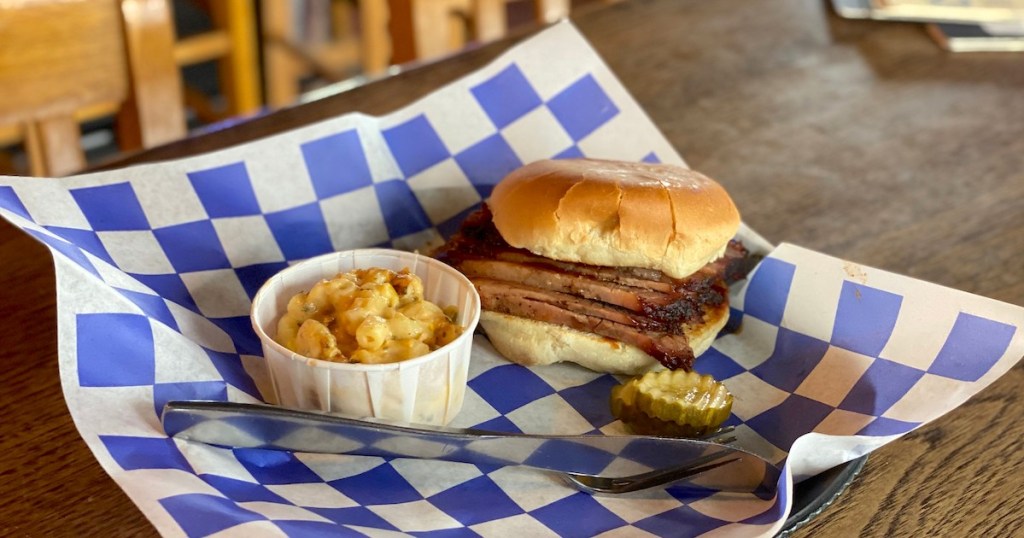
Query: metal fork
[[658, 477], [663, 477], [690, 473], [575, 456]]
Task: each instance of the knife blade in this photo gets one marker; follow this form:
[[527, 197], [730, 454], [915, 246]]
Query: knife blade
[[238, 425]]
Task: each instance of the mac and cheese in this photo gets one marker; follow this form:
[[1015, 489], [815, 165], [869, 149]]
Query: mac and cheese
[[367, 316]]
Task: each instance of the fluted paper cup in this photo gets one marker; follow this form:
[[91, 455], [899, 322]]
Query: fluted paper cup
[[426, 390]]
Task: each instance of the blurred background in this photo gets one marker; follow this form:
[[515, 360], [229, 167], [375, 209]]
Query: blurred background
[[187, 66], [83, 81]]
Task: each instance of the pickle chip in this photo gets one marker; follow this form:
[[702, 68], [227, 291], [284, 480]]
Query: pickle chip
[[672, 403]]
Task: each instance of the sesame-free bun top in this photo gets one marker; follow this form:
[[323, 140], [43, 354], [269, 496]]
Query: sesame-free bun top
[[617, 214]]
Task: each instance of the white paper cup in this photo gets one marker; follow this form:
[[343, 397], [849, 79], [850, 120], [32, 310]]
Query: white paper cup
[[426, 390]]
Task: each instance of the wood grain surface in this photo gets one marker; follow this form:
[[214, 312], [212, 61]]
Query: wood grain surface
[[859, 139]]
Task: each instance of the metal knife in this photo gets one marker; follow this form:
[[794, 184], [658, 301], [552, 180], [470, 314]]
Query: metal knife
[[238, 425]]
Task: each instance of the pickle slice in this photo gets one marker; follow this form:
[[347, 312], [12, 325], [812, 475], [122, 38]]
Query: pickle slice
[[672, 403]]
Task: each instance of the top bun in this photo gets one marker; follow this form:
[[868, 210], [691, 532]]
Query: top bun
[[617, 214]]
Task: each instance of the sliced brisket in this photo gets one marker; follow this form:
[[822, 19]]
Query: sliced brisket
[[672, 350], [635, 299], [522, 291], [638, 306]]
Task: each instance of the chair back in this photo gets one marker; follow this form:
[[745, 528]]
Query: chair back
[[428, 29], [65, 59]]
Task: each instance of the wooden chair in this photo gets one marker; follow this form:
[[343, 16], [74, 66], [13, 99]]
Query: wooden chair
[[389, 32], [340, 53], [63, 61], [427, 29], [232, 43]]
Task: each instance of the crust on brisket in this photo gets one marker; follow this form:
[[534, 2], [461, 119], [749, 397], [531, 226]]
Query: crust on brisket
[[532, 343]]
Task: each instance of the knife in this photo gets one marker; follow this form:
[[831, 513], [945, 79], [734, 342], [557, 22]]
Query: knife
[[238, 425]]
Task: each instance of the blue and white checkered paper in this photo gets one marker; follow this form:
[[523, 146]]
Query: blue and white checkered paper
[[156, 266]]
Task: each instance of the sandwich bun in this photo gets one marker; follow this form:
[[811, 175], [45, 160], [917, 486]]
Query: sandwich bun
[[534, 343], [616, 214]]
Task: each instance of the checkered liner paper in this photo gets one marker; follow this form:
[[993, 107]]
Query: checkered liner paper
[[156, 266]]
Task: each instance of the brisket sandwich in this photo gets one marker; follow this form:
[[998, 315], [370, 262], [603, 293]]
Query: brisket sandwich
[[619, 267]]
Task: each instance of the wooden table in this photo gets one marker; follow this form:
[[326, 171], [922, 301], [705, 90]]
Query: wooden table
[[855, 138]]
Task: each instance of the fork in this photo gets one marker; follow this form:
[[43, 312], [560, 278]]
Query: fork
[[590, 483], [710, 464], [659, 477], [667, 476], [691, 473]]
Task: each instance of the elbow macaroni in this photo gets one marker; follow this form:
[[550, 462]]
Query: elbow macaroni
[[369, 316]]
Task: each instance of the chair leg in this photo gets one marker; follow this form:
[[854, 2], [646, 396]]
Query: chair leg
[[282, 69], [239, 69], [548, 11], [436, 26], [376, 45], [155, 112], [54, 147], [401, 28], [489, 20]]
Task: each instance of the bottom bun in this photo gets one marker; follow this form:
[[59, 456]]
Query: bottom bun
[[533, 343]]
